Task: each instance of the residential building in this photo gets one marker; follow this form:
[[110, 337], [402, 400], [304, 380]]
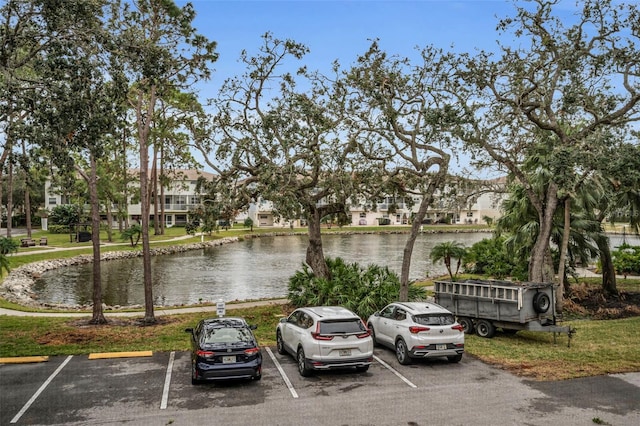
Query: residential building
[[180, 196]]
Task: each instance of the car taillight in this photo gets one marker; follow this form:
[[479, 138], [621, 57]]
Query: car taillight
[[252, 351], [363, 335], [319, 336], [205, 353], [458, 327], [367, 333], [415, 329]]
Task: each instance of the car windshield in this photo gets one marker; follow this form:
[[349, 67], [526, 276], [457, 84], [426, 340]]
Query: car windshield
[[341, 326], [226, 335], [434, 319]]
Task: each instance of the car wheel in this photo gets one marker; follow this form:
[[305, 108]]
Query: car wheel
[[373, 335], [194, 381], [485, 329], [280, 343], [362, 369], [541, 302], [302, 364], [467, 325], [402, 353], [455, 358]]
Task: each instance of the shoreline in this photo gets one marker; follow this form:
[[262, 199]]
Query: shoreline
[[17, 286]]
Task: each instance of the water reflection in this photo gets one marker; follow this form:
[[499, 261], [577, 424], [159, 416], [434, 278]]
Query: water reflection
[[256, 268]]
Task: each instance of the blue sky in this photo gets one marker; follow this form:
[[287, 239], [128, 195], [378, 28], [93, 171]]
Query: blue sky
[[343, 29]]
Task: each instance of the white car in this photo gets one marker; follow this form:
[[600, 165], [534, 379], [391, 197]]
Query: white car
[[418, 330], [325, 337]]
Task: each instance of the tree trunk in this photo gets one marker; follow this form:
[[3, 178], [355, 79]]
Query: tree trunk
[[162, 180], [315, 255], [609, 284], [27, 198], [109, 222], [144, 126], [408, 248], [10, 197], [561, 290], [97, 315], [539, 270]]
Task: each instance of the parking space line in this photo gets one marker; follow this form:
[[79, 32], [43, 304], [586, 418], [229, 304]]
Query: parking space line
[[283, 374], [167, 381], [394, 371], [39, 391]]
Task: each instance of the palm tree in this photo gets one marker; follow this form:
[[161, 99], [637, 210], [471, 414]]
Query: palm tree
[[446, 251]]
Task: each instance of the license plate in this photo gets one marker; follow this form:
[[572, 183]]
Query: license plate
[[228, 359], [441, 347], [344, 352]]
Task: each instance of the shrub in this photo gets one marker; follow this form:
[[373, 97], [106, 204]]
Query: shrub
[[626, 259], [66, 214], [58, 229], [491, 257], [362, 290]]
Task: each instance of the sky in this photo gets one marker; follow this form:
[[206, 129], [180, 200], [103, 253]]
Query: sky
[[343, 29]]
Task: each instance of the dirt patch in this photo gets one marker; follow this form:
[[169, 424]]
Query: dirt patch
[[591, 302], [81, 332]]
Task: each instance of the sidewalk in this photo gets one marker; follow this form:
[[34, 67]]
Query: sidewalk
[[157, 311]]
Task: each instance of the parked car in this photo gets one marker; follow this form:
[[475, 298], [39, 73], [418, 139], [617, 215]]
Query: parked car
[[418, 330], [325, 337], [224, 348]]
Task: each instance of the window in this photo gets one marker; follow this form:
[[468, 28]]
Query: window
[[469, 214], [400, 315], [387, 312], [342, 326], [434, 319], [53, 201]]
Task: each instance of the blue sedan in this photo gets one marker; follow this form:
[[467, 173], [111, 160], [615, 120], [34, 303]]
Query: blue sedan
[[224, 348]]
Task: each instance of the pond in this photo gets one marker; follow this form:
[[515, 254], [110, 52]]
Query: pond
[[252, 269]]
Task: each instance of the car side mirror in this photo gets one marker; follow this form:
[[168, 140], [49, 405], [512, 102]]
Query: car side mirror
[[253, 327], [283, 320], [376, 314], [188, 330]]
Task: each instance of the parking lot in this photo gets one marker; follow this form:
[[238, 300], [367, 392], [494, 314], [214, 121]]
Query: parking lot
[[157, 390]]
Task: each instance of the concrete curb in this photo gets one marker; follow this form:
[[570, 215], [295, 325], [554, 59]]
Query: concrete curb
[[24, 359], [111, 355]]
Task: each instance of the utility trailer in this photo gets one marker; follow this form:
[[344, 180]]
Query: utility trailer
[[484, 305]]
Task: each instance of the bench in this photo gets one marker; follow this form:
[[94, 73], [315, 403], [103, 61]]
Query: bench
[[27, 242], [43, 241]]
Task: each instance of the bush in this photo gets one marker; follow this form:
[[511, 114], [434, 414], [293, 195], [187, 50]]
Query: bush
[[58, 229], [626, 259], [66, 214], [490, 257], [363, 291]]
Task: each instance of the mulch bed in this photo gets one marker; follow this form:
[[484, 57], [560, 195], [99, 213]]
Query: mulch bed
[[591, 302]]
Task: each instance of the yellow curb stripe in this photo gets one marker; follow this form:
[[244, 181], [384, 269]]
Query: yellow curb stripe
[[108, 355], [23, 359]]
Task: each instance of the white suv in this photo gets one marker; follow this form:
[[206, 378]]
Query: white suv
[[325, 337], [418, 330]]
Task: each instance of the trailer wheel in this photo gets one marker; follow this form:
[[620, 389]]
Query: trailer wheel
[[467, 325], [541, 302], [485, 329]]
